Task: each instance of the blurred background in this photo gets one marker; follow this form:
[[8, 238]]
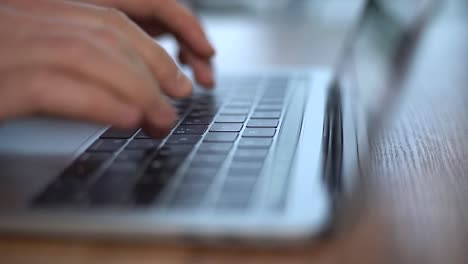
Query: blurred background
[[252, 33], [285, 32]]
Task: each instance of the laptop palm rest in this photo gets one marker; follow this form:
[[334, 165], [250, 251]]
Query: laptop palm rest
[[23, 143]]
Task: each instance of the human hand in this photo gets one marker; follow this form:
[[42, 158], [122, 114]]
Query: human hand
[[84, 62], [159, 17]]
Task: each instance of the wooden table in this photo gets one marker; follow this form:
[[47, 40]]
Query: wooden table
[[417, 188]]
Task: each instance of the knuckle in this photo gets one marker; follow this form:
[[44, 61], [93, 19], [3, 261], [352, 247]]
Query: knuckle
[[76, 48], [167, 68], [36, 89], [108, 36], [115, 17], [146, 97], [169, 71]]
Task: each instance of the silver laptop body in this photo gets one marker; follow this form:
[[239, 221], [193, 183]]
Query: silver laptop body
[[313, 136]]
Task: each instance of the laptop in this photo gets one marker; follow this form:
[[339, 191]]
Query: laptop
[[267, 156]]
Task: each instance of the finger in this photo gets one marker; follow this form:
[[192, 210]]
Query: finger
[[184, 25], [202, 67], [47, 92], [166, 71], [87, 59], [152, 27]]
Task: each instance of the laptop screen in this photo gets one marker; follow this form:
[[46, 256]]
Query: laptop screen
[[369, 79], [379, 52]]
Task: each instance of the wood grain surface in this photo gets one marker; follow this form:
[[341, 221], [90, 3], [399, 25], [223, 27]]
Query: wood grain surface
[[415, 209]]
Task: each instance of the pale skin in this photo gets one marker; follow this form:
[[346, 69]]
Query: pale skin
[[96, 60]]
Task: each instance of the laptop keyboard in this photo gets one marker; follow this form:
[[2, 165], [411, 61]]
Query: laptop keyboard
[[213, 158]]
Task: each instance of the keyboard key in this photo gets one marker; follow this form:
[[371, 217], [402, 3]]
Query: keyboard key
[[132, 155], [195, 171], [269, 107], [236, 192], [142, 134], [235, 111], [167, 164], [237, 104], [119, 133], [197, 175], [156, 165], [250, 154], [226, 127], [189, 195], [143, 144], [82, 170], [236, 186], [183, 139], [175, 150], [271, 123], [78, 176], [259, 132], [250, 80], [150, 186], [273, 95], [183, 104], [115, 185], [129, 168], [107, 145], [156, 177], [208, 147], [244, 173], [279, 101], [62, 192], [210, 101], [231, 119], [208, 160], [245, 168], [191, 129], [205, 106], [266, 115], [243, 94], [254, 143], [190, 190], [202, 113], [144, 195], [248, 101], [221, 137], [197, 121], [238, 201], [93, 159], [181, 110]]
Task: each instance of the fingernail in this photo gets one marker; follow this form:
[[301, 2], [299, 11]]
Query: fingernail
[[211, 49], [183, 84], [210, 76]]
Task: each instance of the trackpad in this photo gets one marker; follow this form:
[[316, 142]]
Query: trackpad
[[33, 151]]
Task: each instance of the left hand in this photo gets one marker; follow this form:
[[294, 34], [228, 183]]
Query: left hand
[[159, 17]]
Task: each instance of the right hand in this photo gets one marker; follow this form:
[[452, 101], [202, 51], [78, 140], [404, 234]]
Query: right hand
[[105, 70]]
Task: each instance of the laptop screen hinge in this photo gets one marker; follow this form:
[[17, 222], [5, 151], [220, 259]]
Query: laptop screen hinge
[[333, 141]]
